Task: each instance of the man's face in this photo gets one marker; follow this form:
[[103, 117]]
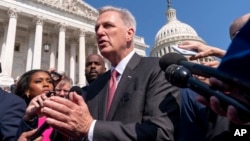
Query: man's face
[[94, 67], [111, 33], [62, 89]]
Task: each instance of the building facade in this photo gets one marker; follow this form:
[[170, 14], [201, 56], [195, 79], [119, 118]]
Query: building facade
[[43, 34]]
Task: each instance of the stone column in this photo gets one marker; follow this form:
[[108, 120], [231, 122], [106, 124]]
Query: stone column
[[2, 34], [82, 80], [53, 51], [162, 52], [36, 64], [4, 41], [30, 49], [61, 48], [8, 50], [72, 60]]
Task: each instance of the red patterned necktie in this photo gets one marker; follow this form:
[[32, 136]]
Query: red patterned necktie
[[112, 88]]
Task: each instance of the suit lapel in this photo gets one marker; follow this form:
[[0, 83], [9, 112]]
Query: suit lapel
[[97, 96], [126, 80], [102, 100]]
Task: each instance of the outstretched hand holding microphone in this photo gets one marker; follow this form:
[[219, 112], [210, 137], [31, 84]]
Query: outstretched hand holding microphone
[[179, 72]]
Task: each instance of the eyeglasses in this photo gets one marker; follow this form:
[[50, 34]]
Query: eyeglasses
[[60, 90]]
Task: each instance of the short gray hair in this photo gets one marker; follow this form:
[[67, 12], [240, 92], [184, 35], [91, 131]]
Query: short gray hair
[[126, 15]]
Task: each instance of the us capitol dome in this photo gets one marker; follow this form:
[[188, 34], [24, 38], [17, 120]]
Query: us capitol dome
[[173, 33]]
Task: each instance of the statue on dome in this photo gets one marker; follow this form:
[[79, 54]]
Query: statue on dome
[[169, 3]]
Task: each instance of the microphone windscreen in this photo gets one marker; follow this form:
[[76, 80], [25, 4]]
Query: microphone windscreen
[[76, 89], [169, 59]]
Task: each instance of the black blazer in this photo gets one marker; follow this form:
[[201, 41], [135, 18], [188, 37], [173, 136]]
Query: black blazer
[[145, 106], [12, 109]]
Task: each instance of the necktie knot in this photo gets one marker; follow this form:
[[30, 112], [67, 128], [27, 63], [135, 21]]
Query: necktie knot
[[114, 73]]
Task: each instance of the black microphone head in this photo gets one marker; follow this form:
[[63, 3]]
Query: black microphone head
[[169, 59], [177, 75], [76, 89]]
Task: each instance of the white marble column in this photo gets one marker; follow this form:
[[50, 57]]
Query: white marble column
[[82, 80], [53, 48], [61, 49], [4, 41], [36, 64], [30, 49], [8, 54], [72, 60], [1, 40]]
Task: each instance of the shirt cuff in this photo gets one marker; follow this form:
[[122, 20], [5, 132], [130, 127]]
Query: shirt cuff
[[91, 131]]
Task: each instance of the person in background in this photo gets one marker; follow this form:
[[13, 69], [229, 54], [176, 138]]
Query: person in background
[[33, 86], [238, 24], [63, 87], [94, 67], [202, 122], [33, 83], [214, 103], [145, 105], [12, 109], [13, 86]]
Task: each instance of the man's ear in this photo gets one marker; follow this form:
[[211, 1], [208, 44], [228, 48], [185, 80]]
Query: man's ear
[[130, 33]]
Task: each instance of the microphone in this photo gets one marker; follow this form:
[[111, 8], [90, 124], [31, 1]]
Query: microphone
[[76, 89], [39, 131], [175, 58], [182, 77]]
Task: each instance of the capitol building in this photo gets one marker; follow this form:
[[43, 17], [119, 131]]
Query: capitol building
[[173, 33], [43, 34]]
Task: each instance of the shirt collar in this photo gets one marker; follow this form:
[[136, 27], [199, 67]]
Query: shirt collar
[[123, 63]]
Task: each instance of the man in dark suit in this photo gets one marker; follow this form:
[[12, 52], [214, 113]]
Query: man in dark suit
[[94, 67], [144, 107], [12, 109]]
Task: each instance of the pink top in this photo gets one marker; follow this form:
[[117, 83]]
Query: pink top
[[46, 134]]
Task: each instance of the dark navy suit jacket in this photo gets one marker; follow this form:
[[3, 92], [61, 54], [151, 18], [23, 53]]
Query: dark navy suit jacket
[[12, 109], [194, 118]]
